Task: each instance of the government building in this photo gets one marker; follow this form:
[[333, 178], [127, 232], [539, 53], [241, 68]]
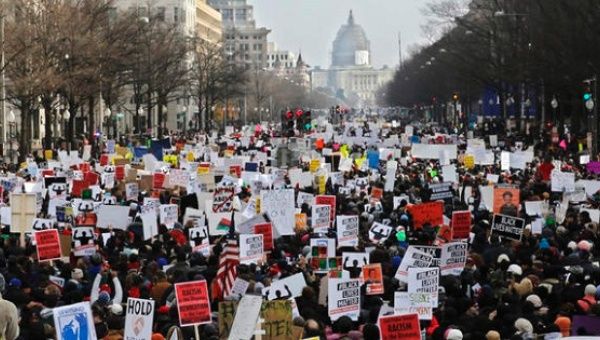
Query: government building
[[351, 76]]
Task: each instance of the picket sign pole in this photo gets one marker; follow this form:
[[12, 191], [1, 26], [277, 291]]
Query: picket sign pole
[[258, 331], [197, 331]]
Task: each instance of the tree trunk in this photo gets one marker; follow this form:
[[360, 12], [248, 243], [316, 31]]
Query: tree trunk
[[159, 119], [92, 121], [47, 104]]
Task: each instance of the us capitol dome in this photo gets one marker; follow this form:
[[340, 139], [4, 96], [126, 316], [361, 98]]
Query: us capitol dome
[[351, 46]]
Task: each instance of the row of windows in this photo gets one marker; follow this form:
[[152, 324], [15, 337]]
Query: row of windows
[[241, 37], [281, 57], [179, 14], [283, 64]]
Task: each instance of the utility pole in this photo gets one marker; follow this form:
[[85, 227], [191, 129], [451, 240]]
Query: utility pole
[[2, 82]]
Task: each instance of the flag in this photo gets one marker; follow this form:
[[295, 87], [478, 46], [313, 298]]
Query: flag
[[228, 262], [224, 224]]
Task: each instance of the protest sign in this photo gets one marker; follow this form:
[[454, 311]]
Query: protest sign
[[223, 200], [424, 280], [373, 277], [409, 303], [168, 214], [347, 231], [277, 316], [199, 240], [322, 247], [74, 322], [453, 259], [300, 221], [461, 224], [390, 175], [433, 151], [593, 167], [239, 287], [378, 232], [320, 218], [344, 298], [353, 263], [251, 248], [114, 216], [42, 224], [266, 230], [590, 324], [431, 212], [434, 251], [506, 201], [279, 205], [304, 197], [286, 288], [23, 209], [329, 200], [562, 181], [508, 227], [132, 191], [149, 221], [441, 191], [400, 327], [246, 316], [193, 303], [139, 317], [83, 241], [48, 244], [413, 258], [534, 208]]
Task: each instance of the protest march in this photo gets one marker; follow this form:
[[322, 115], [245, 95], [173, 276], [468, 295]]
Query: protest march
[[366, 229]]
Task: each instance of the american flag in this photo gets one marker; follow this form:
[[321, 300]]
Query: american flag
[[228, 262]]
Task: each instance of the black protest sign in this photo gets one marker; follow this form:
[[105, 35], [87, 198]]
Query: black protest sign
[[508, 227]]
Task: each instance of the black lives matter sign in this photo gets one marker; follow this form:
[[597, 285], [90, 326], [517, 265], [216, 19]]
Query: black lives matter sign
[[508, 227]]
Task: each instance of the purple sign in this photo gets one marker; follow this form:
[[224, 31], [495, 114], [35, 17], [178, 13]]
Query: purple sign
[[585, 325], [593, 167]]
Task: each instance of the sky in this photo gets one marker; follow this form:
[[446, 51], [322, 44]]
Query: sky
[[311, 26]]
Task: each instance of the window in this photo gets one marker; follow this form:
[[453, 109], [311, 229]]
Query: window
[[160, 13], [254, 47], [176, 14], [227, 14], [259, 46], [183, 17]]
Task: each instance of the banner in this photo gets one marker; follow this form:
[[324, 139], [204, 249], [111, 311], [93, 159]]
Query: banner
[[347, 231], [441, 191], [408, 303], [266, 230], [74, 322], [286, 288], [454, 257], [132, 190], [320, 218], [199, 240], [193, 303], [432, 213], [461, 224], [424, 280], [399, 327], [279, 205], [251, 248], [223, 200], [433, 151], [373, 277], [139, 317], [48, 244], [277, 316], [413, 258], [344, 298], [508, 227]]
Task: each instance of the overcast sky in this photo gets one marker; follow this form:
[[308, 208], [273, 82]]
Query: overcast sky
[[311, 25]]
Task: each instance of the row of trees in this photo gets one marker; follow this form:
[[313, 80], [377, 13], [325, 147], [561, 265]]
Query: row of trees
[[544, 48]]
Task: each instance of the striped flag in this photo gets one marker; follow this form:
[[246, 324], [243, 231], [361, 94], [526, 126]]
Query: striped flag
[[228, 262]]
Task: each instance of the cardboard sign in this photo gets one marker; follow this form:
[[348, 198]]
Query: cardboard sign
[[266, 230], [409, 303], [199, 240], [373, 277], [251, 248], [400, 327], [23, 208], [461, 224], [453, 259], [506, 201], [139, 316], [48, 245], [413, 258], [508, 227], [424, 280], [83, 241], [247, 314], [277, 316], [378, 232], [344, 298], [74, 322], [114, 216], [432, 213], [168, 215], [347, 231], [329, 200], [193, 303], [279, 205], [320, 218]]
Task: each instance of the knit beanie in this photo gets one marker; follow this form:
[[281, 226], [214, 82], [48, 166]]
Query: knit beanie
[[564, 324]]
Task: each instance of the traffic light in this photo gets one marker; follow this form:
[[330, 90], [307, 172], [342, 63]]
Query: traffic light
[[587, 93], [307, 121]]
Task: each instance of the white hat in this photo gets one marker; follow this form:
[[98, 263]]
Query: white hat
[[503, 257], [116, 309], [77, 274], [454, 334], [535, 300], [515, 269]]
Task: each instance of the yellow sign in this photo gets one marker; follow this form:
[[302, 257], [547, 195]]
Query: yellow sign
[[48, 154], [301, 222], [228, 153], [171, 159], [190, 156], [315, 164], [469, 161], [258, 205], [203, 169], [321, 181]]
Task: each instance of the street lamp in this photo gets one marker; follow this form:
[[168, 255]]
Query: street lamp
[[138, 124], [11, 123], [110, 119]]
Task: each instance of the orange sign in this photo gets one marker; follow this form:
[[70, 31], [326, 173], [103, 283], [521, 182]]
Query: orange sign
[[373, 277], [431, 212], [301, 221]]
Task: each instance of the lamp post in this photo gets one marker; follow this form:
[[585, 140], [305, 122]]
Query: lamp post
[[138, 124], [554, 105], [110, 119], [11, 123]]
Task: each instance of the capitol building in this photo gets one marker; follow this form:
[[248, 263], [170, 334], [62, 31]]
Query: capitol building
[[351, 76]]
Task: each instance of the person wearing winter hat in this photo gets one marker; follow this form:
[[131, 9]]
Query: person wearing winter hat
[[492, 335], [96, 293], [589, 299], [524, 328], [453, 334], [9, 322], [564, 324], [535, 301]]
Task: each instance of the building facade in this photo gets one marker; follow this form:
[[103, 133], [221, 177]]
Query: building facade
[[351, 76], [208, 23], [245, 43]]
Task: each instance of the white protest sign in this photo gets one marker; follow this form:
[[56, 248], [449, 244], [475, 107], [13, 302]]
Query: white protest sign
[[409, 303], [168, 215], [251, 248], [449, 173], [378, 232], [453, 259], [534, 208], [321, 214], [390, 176], [413, 258], [492, 178], [347, 231], [563, 181], [114, 216], [74, 322], [199, 240], [304, 197], [398, 200], [594, 214], [344, 298], [246, 316], [432, 151], [279, 205], [239, 288], [286, 288], [83, 241], [139, 317], [424, 280]]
